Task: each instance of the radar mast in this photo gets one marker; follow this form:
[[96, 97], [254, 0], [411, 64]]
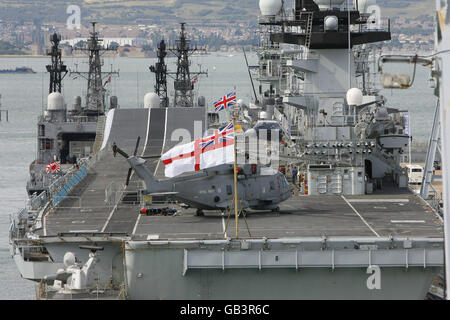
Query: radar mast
[[160, 71], [57, 67], [184, 84], [95, 97]]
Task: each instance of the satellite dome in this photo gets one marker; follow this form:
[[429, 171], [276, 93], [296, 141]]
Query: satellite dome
[[354, 97], [69, 259], [55, 101], [328, 4], [152, 100], [270, 7], [331, 23]]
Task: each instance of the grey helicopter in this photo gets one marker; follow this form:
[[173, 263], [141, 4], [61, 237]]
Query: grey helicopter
[[259, 188]]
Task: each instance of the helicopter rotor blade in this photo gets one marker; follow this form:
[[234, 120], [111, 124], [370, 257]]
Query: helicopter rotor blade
[[129, 176], [137, 146]]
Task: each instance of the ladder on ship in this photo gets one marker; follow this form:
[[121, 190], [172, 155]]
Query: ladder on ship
[[308, 30]]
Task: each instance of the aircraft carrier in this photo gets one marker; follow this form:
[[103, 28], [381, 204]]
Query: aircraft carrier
[[351, 230]]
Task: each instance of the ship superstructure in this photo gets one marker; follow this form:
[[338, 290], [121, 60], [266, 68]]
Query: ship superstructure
[[335, 238], [66, 135], [316, 81]]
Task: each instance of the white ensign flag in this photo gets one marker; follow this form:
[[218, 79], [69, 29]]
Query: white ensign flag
[[201, 154]]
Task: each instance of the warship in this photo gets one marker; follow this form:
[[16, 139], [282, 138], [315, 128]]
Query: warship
[[64, 136], [352, 229], [20, 70]]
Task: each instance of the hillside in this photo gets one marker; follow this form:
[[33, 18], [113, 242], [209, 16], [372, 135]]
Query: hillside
[[155, 11]]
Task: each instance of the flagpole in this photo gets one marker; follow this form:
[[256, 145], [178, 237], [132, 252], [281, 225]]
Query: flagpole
[[235, 176]]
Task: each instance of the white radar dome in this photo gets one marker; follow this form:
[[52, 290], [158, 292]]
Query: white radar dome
[[151, 100], [331, 23], [270, 7], [69, 259], [328, 4], [55, 101], [354, 97]]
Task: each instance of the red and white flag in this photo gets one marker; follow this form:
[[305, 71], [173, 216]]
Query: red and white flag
[[53, 167], [201, 154]]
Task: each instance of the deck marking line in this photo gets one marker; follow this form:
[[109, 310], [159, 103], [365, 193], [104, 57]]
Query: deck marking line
[[407, 221], [365, 222], [378, 200], [148, 129], [136, 225], [164, 143]]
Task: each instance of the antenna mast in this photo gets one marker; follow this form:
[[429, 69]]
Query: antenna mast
[[160, 71], [95, 98], [57, 67], [184, 86]]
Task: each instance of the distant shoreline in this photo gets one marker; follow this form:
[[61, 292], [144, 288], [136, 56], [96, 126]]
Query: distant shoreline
[[143, 57], [84, 56]]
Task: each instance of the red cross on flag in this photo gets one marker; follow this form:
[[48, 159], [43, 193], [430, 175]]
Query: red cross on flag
[[201, 154], [53, 167]]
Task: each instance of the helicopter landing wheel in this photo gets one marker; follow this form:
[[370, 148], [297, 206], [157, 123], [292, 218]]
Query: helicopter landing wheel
[[200, 213]]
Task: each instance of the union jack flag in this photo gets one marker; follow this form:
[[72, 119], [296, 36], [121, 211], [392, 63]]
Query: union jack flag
[[225, 102], [206, 144], [227, 127], [53, 167], [225, 135]]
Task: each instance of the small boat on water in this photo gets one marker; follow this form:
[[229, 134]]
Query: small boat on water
[[18, 70]]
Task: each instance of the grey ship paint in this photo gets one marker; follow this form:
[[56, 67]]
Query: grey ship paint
[[333, 241]]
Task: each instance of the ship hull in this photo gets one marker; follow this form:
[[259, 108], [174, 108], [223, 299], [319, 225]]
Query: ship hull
[[162, 275]]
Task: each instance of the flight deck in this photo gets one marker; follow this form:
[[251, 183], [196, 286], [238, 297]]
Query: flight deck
[[101, 204]]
